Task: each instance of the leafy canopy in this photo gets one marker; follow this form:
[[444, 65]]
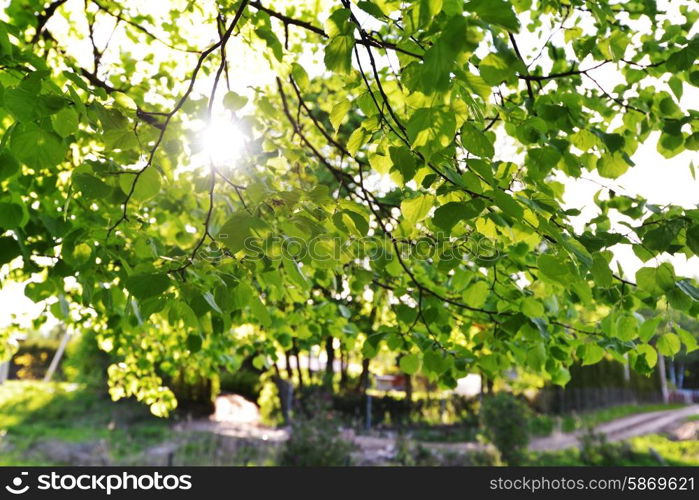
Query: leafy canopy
[[372, 203]]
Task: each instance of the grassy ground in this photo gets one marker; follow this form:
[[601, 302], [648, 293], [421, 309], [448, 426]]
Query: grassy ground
[[51, 424], [650, 450], [34, 412]]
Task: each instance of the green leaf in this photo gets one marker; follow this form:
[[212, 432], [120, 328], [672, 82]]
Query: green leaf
[[299, 74], [446, 216], [689, 289], [553, 267], [497, 12], [194, 342], [600, 271], [626, 327], [209, 298], [9, 249], [648, 328], [65, 122], [234, 101], [143, 286], [147, 184], [476, 294], [656, 280], [416, 209], [650, 354], [90, 186], [436, 362], [410, 363], [689, 340], [476, 141], [668, 344], [532, 308], [496, 68], [693, 239], [403, 161], [357, 140], [684, 58], [560, 375], [431, 129], [338, 54], [120, 139], [8, 165], [338, 113], [507, 204], [612, 165], [36, 147], [239, 231], [591, 354], [11, 215], [259, 310]]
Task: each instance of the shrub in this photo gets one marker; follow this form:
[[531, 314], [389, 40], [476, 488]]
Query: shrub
[[596, 450], [505, 420], [411, 454], [316, 441], [86, 363], [542, 425]]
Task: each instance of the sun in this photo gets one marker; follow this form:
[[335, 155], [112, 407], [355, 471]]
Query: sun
[[223, 142]]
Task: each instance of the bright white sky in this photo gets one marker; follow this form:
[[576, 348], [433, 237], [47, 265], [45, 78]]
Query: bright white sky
[[657, 179]]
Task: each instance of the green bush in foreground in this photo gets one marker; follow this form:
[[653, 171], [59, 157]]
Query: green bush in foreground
[[505, 420], [316, 442]]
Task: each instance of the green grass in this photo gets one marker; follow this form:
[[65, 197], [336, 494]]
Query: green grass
[[608, 414], [674, 452], [634, 452], [31, 412]]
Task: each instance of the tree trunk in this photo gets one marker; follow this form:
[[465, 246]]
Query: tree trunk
[[364, 377], [330, 362], [289, 371], [298, 365], [344, 361]]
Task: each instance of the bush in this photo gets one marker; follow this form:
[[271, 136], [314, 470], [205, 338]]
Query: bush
[[505, 420], [411, 454], [86, 363], [596, 450], [542, 425], [316, 442]]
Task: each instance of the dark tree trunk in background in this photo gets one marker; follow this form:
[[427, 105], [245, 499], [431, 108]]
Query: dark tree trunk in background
[[343, 368], [289, 371], [285, 393], [409, 393], [298, 365], [330, 364], [364, 377]]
